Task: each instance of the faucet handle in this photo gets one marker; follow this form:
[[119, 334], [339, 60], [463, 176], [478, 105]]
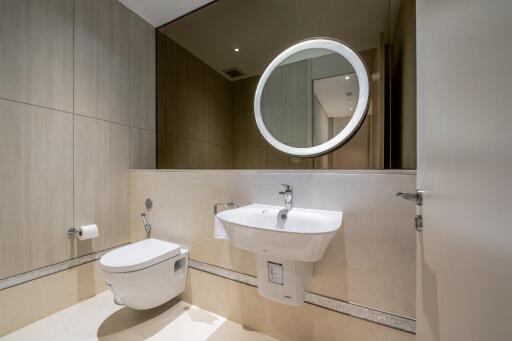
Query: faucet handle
[[287, 189]]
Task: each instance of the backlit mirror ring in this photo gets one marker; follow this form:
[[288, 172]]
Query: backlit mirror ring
[[362, 103]]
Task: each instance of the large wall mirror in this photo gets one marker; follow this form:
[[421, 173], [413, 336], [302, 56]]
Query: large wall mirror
[[211, 63]]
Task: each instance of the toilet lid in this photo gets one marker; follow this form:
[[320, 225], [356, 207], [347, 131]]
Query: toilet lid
[[138, 255]]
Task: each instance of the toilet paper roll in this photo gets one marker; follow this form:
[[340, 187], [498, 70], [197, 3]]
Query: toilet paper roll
[[88, 232]]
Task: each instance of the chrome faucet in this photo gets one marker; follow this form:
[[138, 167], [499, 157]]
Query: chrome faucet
[[288, 196], [147, 226]]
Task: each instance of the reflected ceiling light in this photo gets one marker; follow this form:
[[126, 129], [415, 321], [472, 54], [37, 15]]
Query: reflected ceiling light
[[347, 77], [351, 109]]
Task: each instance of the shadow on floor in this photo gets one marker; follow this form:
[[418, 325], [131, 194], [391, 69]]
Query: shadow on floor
[[129, 324], [230, 331]]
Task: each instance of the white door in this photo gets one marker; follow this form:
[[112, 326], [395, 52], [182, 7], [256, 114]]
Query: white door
[[464, 260]]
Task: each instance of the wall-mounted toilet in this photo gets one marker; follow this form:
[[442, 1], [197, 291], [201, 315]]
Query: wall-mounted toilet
[[145, 274]]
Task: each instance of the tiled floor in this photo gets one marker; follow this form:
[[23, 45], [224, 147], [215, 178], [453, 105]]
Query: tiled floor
[[98, 318]]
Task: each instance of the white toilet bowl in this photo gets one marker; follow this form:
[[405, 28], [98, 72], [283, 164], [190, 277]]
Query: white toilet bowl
[[145, 274]]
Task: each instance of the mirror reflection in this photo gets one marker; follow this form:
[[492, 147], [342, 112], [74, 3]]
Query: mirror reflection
[[309, 97], [209, 63]]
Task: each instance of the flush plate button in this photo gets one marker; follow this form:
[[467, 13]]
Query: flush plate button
[[275, 273]]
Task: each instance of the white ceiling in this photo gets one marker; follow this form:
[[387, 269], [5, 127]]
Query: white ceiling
[[159, 12]]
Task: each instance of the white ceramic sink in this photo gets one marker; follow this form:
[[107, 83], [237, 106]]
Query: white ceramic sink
[[303, 236]]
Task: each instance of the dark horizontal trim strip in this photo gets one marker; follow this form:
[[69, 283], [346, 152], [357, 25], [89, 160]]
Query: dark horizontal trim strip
[[51, 269]]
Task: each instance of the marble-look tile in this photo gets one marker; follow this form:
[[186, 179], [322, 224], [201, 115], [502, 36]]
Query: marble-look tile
[[36, 63], [263, 187], [182, 218], [343, 307], [101, 181], [36, 200], [370, 260], [242, 304], [23, 304], [102, 60], [142, 73], [142, 148]]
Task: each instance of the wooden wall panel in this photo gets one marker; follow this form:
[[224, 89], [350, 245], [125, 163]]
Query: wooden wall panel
[[36, 59], [102, 60], [194, 111], [101, 181], [36, 200], [142, 148], [142, 73], [44, 150]]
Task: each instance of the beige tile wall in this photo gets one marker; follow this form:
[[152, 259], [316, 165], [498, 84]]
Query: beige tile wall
[[75, 114], [26, 303], [370, 261], [241, 303]]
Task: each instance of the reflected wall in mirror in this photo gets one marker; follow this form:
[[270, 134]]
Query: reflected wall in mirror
[[209, 63]]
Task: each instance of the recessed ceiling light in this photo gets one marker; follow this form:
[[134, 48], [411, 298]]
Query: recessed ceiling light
[[237, 49], [351, 109], [347, 77]]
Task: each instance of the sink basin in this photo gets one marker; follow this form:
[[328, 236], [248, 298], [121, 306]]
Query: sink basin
[[302, 236]]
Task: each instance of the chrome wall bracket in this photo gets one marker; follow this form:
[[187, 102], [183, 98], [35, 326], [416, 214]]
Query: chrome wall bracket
[[73, 232], [223, 204]]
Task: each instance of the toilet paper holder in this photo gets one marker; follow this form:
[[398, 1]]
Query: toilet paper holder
[[73, 232], [83, 232]]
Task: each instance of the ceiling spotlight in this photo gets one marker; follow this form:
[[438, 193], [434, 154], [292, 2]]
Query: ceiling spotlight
[[351, 109], [237, 49], [347, 77]]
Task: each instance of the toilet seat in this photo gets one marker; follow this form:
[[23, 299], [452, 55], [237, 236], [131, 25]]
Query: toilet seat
[[139, 255]]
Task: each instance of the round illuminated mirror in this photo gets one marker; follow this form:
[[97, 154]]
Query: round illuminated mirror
[[312, 98]]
